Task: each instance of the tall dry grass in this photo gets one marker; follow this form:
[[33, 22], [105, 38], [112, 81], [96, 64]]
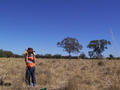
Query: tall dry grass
[[60, 74]]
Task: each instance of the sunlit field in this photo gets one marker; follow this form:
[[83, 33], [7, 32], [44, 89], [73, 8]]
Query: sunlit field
[[61, 74]]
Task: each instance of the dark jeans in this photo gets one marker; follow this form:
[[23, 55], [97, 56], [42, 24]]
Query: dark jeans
[[31, 72]]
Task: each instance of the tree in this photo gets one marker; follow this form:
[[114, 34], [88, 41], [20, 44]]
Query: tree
[[57, 56], [48, 56], [82, 56], [8, 54], [4, 53], [98, 47], [91, 53], [70, 45], [111, 56]]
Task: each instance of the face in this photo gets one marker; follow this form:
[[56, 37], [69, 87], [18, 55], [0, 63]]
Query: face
[[30, 53]]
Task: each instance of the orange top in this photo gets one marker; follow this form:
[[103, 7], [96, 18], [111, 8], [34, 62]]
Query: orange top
[[31, 62]]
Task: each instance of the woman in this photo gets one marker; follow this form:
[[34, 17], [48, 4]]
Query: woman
[[30, 63]]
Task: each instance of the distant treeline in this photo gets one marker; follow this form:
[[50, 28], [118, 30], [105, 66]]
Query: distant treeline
[[8, 54], [4, 53], [57, 56], [82, 56]]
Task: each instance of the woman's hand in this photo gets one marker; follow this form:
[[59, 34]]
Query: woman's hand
[[33, 53]]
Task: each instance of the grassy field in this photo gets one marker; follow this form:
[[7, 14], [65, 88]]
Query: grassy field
[[60, 74]]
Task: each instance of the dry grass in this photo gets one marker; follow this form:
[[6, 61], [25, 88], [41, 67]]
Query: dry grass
[[62, 74]]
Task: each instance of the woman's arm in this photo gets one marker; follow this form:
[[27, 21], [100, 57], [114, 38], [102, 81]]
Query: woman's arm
[[26, 58]]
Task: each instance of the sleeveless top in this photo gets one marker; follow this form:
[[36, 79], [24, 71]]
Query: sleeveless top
[[31, 62]]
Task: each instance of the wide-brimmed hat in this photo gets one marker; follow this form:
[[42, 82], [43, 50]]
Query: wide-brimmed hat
[[30, 50]]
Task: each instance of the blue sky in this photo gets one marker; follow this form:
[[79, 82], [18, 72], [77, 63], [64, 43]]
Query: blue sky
[[42, 23]]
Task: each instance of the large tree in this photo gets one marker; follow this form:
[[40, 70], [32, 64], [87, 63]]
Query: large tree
[[98, 47], [70, 45], [4, 53]]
